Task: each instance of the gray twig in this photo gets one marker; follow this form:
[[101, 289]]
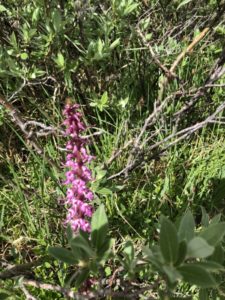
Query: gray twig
[[26, 293]]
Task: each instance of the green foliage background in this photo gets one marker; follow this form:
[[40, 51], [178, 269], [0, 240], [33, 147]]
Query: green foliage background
[[90, 52]]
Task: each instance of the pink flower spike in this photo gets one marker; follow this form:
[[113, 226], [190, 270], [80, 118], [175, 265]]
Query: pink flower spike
[[78, 175]]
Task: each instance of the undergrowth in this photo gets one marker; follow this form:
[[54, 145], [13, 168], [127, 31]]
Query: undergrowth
[[89, 52]]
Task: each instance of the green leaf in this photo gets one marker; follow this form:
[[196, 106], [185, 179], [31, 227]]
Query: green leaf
[[69, 232], [105, 251], [168, 241], [218, 255], [35, 14], [99, 227], [80, 242], [210, 265], [128, 250], [182, 251], [2, 8], [199, 248], [115, 44], [104, 191], [123, 102], [62, 254], [183, 3], [104, 98], [24, 56], [154, 257], [60, 60], [57, 20], [214, 233], [100, 174], [187, 227], [216, 219], [108, 271], [130, 8], [172, 274], [82, 277], [13, 41], [85, 235], [94, 267], [205, 217], [203, 294], [194, 274], [147, 252], [100, 45], [4, 294]]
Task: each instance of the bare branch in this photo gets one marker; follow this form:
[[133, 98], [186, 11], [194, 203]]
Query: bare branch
[[31, 139], [167, 72], [127, 294], [217, 74], [26, 293], [180, 135], [22, 269]]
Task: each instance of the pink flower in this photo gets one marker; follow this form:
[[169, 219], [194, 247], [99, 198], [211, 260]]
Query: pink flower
[[78, 175]]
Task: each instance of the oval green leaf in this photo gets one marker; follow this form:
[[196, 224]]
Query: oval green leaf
[[214, 233], [168, 241], [62, 254], [199, 248], [195, 274]]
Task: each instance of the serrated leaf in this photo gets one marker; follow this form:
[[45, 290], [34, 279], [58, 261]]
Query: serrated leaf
[[168, 241], [199, 248], [187, 227], [194, 274], [214, 233], [99, 227], [62, 254]]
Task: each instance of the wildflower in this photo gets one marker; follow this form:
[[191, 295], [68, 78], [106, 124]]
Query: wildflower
[[78, 195]]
